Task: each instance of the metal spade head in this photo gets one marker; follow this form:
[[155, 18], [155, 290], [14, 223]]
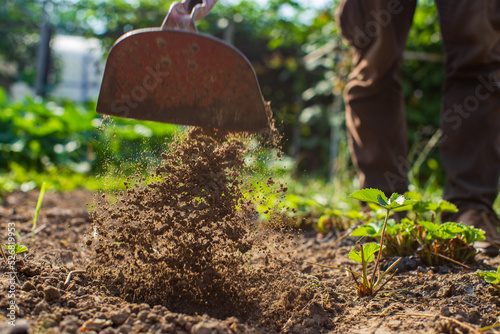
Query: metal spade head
[[182, 77]]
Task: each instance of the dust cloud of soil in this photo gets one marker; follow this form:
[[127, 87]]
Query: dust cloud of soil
[[187, 238]]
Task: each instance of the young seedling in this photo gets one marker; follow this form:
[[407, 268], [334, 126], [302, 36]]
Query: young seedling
[[396, 201], [433, 242], [37, 211], [14, 251], [490, 276], [365, 255], [369, 286]]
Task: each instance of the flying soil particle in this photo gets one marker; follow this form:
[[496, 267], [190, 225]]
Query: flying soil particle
[[189, 240]]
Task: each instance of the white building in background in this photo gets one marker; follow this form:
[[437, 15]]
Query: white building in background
[[81, 69]]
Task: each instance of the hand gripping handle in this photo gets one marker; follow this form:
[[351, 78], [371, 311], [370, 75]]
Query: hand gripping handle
[[182, 15]]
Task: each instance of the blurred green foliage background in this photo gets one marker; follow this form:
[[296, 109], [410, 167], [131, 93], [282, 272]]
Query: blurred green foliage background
[[298, 55]]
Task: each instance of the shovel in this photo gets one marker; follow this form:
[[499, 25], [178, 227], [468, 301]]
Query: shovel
[[175, 75]]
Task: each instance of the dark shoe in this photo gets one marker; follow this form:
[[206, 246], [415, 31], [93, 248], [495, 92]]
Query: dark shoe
[[487, 221]]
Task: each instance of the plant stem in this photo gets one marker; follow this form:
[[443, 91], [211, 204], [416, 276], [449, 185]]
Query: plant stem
[[364, 264], [381, 247], [3, 254]]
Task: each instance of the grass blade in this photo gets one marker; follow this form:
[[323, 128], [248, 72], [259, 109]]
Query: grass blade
[[37, 210]]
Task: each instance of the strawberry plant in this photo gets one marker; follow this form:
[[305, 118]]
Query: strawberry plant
[[434, 242], [421, 208], [448, 241], [365, 255], [370, 285]]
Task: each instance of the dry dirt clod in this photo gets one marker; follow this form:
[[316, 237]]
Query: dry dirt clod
[[51, 293], [28, 286]]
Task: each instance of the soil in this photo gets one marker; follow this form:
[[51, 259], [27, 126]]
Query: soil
[[165, 257]]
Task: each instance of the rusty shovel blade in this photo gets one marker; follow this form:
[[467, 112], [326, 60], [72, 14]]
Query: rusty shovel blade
[[182, 77]]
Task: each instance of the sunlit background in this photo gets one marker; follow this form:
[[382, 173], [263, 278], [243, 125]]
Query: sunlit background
[[53, 55]]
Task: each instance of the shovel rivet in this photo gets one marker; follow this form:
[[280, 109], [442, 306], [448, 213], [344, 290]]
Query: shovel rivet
[[192, 65], [195, 47], [165, 61]]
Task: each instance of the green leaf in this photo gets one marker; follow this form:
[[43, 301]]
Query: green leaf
[[375, 229], [420, 207], [452, 230], [374, 207], [20, 249], [398, 201], [354, 215], [429, 226], [472, 235], [382, 201], [369, 251], [376, 196], [392, 227], [369, 195], [445, 206], [16, 248], [413, 195], [468, 233], [335, 213], [490, 276], [441, 206], [396, 198], [368, 230]]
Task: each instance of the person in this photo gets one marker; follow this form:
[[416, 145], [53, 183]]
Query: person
[[470, 117]]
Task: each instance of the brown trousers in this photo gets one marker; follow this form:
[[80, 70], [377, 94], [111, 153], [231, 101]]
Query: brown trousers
[[470, 115]]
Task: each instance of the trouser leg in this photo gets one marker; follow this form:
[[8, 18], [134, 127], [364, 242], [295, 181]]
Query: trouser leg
[[470, 119], [377, 31]]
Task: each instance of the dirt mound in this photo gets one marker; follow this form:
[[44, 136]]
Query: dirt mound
[[187, 238]]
